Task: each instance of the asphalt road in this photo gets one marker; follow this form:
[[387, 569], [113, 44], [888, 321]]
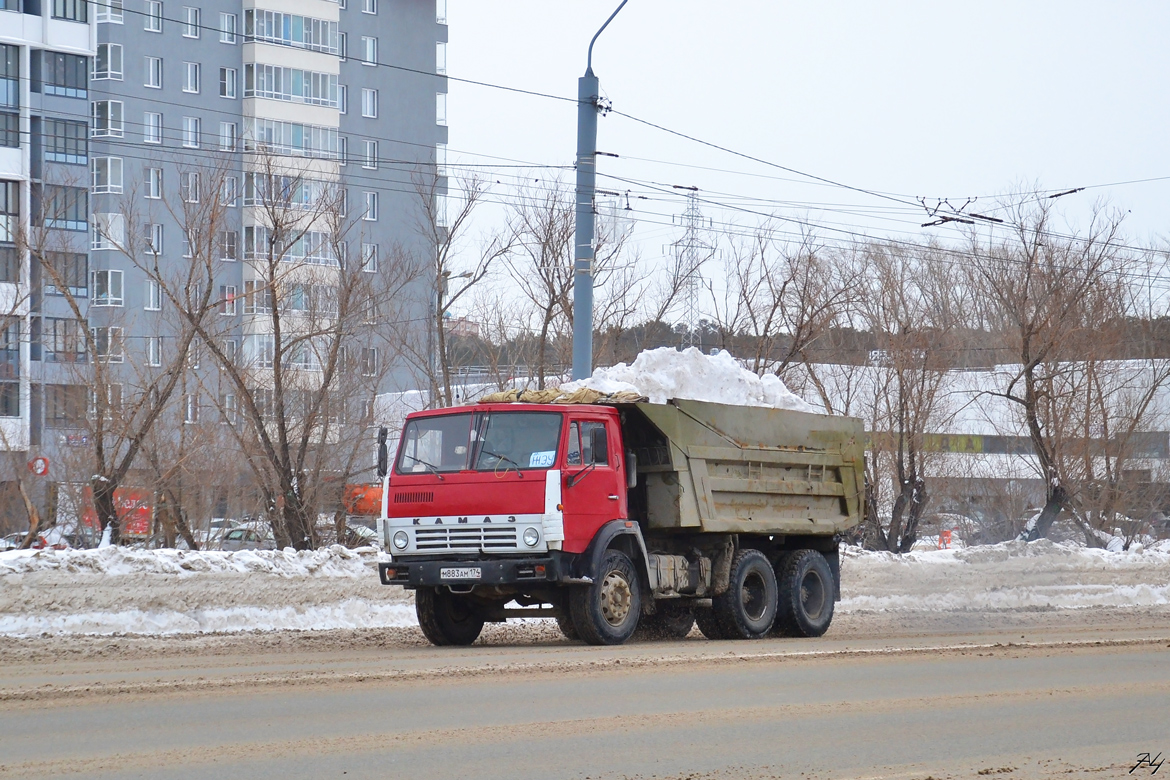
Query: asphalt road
[[1050, 705]]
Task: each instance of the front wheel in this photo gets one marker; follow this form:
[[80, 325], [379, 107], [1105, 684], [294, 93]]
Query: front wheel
[[447, 618], [806, 594], [606, 611]]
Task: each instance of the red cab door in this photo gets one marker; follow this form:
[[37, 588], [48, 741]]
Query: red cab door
[[592, 491]]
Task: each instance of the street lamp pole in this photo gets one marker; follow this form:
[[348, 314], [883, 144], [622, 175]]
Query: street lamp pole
[[587, 107]]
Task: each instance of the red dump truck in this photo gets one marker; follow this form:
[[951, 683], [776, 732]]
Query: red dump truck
[[612, 516]]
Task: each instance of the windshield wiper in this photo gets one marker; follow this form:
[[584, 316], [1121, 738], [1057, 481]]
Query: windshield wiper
[[434, 469], [504, 458]]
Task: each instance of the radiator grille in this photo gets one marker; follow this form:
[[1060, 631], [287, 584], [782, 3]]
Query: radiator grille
[[417, 497], [465, 538]]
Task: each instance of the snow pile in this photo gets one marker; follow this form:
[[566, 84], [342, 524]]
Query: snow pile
[[347, 614], [665, 373], [1011, 575], [333, 561]]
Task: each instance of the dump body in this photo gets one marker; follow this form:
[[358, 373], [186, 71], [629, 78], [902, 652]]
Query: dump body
[[715, 468]]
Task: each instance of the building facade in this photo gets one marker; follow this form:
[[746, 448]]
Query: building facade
[[112, 111]]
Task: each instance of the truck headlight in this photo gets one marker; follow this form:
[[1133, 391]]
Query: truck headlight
[[531, 536], [401, 539]]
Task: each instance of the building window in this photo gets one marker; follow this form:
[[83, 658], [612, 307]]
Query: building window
[[107, 119], [370, 103], [154, 351], [109, 231], [107, 65], [151, 128], [61, 339], [153, 296], [152, 236], [191, 73], [66, 142], [290, 30], [230, 192], [10, 130], [191, 132], [279, 137], [440, 58], [153, 183], [107, 288], [64, 208], [227, 28], [441, 108], [229, 245], [190, 22], [291, 84], [370, 155], [153, 72], [441, 11], [369, 361], [370, 258], [189, 186], [369, 6], [108, 343], [342, 98], [342, 46], [108, 11], [227, 299], [369, 50], [343, 150], [65, 405], [227, 82], [9, 76], [66, 75], [371, 212], [152, 19], [71, 10], [228, 406], [107, 175], [227, 136], [190, 408], [67, 272], [257, 299]]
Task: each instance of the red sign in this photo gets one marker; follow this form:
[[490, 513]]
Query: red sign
[[134, 506], [39, 466]]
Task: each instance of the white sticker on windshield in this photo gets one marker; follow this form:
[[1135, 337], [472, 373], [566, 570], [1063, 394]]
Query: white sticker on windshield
[[539, 460]]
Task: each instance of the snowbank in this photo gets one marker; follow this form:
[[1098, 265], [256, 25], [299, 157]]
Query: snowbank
[[333, 561], [1011, 575], [665, 373]]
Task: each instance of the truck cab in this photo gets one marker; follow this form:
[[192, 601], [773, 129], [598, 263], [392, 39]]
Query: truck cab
[[589, 513]]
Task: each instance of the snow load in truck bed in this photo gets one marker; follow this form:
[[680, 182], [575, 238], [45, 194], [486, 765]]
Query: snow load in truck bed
[[660, 375]]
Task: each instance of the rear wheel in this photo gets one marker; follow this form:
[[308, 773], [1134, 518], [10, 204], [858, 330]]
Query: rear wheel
[[672, 620], [747, 609], [447, 618], [606, 611], [806, 594]]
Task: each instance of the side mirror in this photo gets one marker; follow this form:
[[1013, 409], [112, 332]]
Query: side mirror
[[631, 470], [383, 455], [599, 445]]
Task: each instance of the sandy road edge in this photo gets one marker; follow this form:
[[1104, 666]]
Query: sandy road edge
[[50, 692]]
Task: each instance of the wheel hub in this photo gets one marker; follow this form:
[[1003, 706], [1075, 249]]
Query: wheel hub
[[812, 595], [615, 598]]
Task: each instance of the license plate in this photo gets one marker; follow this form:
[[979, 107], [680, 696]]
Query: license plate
[[466, 573]]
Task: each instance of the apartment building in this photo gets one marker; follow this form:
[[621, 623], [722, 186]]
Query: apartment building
[[111, 110]]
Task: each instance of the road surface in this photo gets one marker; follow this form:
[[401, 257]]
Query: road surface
[[1038, 696]]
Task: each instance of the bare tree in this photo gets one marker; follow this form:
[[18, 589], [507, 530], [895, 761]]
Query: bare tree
[[443, 221], [1045, 297]]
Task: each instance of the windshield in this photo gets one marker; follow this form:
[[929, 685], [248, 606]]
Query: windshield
[[493, 442]]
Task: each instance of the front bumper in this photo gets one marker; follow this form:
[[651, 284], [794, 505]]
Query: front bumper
[[509, 571]]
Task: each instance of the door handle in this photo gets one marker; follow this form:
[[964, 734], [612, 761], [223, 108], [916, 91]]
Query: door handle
[[613, 497]]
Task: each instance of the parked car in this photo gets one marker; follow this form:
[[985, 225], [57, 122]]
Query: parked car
[[246, 539]]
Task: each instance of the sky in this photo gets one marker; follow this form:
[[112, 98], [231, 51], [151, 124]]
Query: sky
[[896, 100]]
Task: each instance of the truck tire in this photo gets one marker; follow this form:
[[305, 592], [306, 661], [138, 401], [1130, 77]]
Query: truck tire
[[748, 608], [709, 624], [447, 618], [606, 612], [672, 621], [565, 624], [806, 594]]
